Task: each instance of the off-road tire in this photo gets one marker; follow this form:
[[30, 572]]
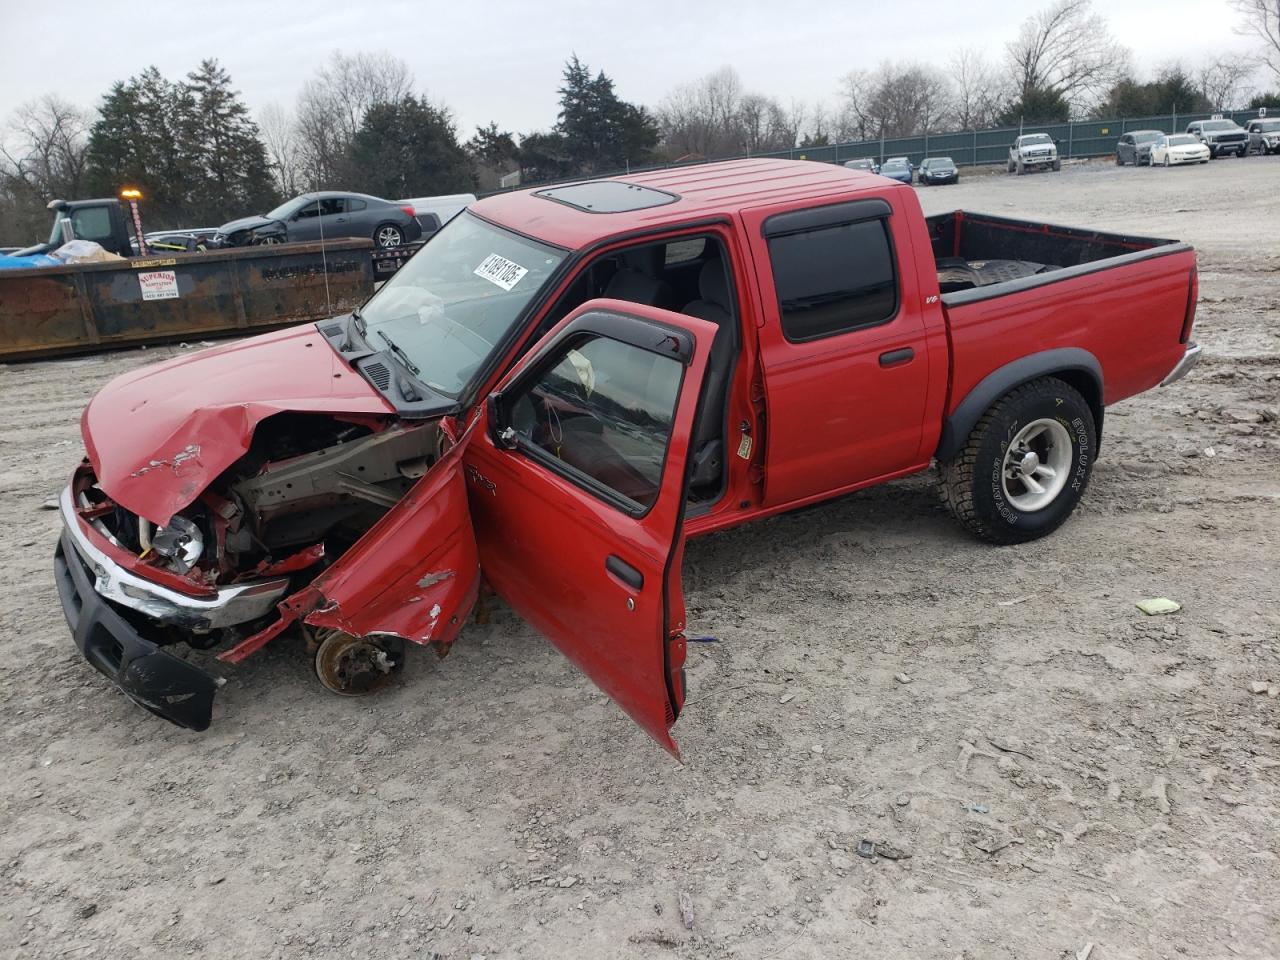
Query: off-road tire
[[971, 483]]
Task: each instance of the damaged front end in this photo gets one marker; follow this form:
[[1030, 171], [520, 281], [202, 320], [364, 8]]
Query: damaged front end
[[351, 526]]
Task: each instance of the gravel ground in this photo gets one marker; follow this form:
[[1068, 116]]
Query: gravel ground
[[1060, 769]]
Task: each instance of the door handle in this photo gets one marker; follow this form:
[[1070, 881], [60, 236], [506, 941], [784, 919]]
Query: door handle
[[625, 572], [895, 357]]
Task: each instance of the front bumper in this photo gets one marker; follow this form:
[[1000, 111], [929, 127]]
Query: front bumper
[[236, 604], [1184, 366], [168, 686]]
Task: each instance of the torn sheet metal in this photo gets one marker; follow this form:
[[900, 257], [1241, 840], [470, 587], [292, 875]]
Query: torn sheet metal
[[201, 411]]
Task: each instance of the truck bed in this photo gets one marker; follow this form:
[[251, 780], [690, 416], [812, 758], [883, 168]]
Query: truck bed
[[979, 256], [1124, 300]]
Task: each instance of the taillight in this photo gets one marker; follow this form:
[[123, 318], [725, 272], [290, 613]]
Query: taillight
[[409, 210], [1193, 293]]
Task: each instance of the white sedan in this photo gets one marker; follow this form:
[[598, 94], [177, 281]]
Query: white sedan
[[1178, 148]]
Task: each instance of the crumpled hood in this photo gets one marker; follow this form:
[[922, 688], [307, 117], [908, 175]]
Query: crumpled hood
[[245, 223], [158, 436]]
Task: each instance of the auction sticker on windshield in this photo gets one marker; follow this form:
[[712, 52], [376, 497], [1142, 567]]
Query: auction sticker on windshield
[[499, 270]]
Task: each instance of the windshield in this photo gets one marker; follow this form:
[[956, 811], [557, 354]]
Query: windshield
[[446, 310], [1146, 135], [1182, 140], [1218, 125], [941, 163], [894, 165], [1035, 138], [283, 211], [1267, 126]]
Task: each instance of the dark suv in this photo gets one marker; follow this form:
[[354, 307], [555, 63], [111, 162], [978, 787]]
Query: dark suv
[[1221, 136]]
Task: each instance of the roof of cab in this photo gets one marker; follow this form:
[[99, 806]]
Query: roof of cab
[[701, 191]]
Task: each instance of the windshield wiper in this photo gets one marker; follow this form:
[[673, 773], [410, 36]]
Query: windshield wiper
[[400, 354]]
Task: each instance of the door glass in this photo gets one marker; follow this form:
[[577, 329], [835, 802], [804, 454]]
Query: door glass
[[603, 409], [330, 206], [834, 279], [310, 211], [355, 206]]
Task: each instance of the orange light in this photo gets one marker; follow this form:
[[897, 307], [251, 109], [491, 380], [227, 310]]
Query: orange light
[[130, 193]]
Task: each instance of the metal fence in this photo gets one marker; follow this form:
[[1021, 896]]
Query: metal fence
[[1077, 138]]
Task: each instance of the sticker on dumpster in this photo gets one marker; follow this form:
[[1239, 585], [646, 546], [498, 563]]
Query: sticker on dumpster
[[158, 285], [499, 270]]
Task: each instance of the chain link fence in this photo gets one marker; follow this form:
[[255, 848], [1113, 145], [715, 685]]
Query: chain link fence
[[1076, 139]]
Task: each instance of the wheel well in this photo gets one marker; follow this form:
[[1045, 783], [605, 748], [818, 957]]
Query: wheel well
[[1076, 367]]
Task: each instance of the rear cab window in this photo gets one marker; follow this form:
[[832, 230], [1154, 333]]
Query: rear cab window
[[834, 278]]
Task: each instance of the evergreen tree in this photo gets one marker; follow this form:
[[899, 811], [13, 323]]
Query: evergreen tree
[[409, 148], [232, 161], [190, 147], [1036, 106], [600, 131]]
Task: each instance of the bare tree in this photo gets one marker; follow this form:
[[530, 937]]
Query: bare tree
[[284, 150], [1261, 18], [897, 100], [715, 117], [45, 147], [332, 106], [1223, 80], [1066, 49], [978, 93]]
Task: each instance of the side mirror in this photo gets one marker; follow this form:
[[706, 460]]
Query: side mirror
[[502, 435]]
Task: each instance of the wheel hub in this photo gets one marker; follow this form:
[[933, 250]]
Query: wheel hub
[[1036, 465], [355, 666]]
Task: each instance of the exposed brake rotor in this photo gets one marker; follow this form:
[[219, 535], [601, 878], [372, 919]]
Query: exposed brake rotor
[[356, 666]]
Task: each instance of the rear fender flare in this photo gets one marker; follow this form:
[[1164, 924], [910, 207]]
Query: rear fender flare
[[1076, 366]]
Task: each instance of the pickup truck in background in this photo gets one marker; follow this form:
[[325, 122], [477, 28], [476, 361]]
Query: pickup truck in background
[[1033, 151], [563, 387]]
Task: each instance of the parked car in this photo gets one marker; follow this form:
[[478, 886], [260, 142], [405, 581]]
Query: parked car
[[434, 212], [564, 385], [1222, 137], [326, 215], [935, 170], [1264, 135], [1178, 148], [897, 168], [863, 163], [1135, 147], [1033, 151]]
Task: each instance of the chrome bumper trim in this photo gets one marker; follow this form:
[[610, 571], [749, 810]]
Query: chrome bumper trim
[[1184, 366], [232, 605]]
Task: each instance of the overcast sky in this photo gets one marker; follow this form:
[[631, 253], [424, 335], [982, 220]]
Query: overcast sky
[[501, 60]]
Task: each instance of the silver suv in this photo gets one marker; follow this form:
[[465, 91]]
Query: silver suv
[[1033, 151], [1264, 135]]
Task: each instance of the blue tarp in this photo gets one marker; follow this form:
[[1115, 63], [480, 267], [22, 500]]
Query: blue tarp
[[26, 263]]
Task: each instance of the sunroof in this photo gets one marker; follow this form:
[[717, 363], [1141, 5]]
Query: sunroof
[[608, 196]]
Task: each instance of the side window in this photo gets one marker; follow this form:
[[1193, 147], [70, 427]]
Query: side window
[[355, 206], [91, 223], [331, 206], [603, 409], [834, 279], [307, 212]]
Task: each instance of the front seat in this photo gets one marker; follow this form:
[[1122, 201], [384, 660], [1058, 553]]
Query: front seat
[[713, 305], [638, 278]]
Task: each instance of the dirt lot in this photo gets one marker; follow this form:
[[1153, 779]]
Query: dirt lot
[[1061, 769]]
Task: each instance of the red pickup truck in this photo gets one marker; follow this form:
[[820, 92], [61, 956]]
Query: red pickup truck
[[563, 386]]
